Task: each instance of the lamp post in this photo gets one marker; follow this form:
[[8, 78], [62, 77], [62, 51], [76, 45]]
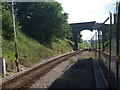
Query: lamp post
[[15, 39]]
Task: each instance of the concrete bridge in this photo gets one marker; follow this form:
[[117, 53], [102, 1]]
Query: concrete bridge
[[78, 27]]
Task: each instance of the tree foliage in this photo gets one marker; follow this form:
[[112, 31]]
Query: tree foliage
[[43, 21], [7, 26], [7, 22]]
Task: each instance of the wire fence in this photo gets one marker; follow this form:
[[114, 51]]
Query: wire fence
[[108, 41]]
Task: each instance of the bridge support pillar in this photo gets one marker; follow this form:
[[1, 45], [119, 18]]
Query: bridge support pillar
[[76, 41]]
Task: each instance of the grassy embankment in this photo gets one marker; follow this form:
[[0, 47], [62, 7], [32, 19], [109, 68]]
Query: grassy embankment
[[31, 51]]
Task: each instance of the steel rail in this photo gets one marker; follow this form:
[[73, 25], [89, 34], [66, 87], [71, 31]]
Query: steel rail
[[28, 78]]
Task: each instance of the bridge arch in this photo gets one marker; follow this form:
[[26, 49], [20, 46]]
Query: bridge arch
[[78, 27]]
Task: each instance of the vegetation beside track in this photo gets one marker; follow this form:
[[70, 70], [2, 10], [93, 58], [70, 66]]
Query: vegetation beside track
[[38, 37], [31, 51]]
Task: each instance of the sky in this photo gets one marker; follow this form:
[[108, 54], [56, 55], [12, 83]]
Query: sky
[[87, 10]]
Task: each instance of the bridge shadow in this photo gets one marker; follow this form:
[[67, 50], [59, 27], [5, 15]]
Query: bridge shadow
[[80, 75]]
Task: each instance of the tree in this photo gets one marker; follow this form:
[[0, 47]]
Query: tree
[[7, 27], [43, 21], [7, 23]]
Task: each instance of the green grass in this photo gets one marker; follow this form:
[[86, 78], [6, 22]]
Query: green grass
[[72, 61], [60, 47], [31, 51], [83, 46]]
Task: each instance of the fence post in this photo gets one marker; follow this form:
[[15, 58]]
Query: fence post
[[2, 66]]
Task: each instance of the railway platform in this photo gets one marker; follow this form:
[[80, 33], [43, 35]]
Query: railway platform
[[84, 73]]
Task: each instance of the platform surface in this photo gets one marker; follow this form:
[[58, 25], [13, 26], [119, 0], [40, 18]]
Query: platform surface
[[80, 75]]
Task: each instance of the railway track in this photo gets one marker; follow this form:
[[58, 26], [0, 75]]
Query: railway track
[[26, 79]]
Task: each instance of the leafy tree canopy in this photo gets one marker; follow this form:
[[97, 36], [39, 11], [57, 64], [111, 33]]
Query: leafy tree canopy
[[43, 21], [7, 22]]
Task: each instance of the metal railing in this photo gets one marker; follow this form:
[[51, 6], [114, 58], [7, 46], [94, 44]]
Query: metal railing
[[110, 46]]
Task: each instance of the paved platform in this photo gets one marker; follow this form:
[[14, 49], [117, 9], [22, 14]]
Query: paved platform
[[80, 75]]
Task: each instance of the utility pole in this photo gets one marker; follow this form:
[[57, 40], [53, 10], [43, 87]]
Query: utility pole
[[15, 39]]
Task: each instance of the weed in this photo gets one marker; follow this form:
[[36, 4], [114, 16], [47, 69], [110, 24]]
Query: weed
[[72, 61], [31, 51]]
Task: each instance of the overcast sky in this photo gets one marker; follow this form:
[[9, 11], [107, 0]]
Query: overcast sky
[[87, 10]]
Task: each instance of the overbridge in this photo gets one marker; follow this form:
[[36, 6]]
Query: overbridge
[[78, 27]]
